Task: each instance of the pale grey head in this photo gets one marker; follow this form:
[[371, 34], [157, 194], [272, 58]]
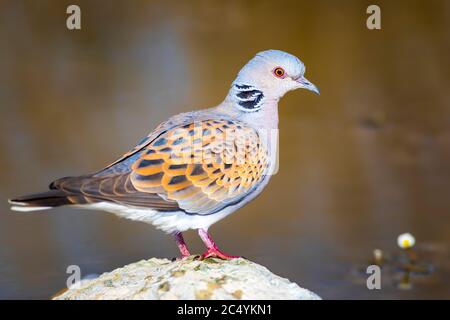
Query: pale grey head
[[269, 76]]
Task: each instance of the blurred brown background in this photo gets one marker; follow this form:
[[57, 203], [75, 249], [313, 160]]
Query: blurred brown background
[[363, 162]]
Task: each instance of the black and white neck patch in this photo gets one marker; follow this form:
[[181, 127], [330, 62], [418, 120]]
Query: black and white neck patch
[[248, 97]]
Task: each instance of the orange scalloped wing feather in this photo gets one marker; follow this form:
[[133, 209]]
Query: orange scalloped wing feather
[[203, 166]]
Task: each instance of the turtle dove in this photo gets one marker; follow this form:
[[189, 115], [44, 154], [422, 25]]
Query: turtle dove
[[197, 167]]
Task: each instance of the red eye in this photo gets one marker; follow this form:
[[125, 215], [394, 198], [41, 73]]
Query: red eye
[[278, 72]]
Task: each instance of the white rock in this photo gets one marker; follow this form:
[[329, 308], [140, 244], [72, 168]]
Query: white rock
[[189, 278]]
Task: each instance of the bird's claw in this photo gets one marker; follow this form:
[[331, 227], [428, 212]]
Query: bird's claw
[[214, 253]]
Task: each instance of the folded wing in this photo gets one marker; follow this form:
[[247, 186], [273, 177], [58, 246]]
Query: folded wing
[[198, 167]]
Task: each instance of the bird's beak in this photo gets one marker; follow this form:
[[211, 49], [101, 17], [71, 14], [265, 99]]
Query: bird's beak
[[304, 83]]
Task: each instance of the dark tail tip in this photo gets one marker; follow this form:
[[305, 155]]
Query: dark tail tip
[[39, 201]]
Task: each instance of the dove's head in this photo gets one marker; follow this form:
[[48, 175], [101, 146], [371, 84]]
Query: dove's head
[[269, 75]]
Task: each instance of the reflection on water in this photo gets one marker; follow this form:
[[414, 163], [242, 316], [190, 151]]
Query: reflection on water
[[365, 161]]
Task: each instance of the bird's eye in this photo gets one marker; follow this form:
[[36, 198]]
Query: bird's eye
[[278, 72]]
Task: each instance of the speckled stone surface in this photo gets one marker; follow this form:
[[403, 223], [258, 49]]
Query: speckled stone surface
[[189, 278]]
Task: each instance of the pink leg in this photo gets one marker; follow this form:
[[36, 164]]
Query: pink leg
[[212, 249], [181, 244]]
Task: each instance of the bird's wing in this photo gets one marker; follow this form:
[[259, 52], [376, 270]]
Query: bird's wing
[[203, 166], [199, 167]]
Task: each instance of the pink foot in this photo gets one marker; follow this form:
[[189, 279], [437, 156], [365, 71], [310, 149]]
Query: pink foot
[[212, 249], [215, 253]]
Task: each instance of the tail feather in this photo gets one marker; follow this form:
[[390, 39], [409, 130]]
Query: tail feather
[[40, 201]]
